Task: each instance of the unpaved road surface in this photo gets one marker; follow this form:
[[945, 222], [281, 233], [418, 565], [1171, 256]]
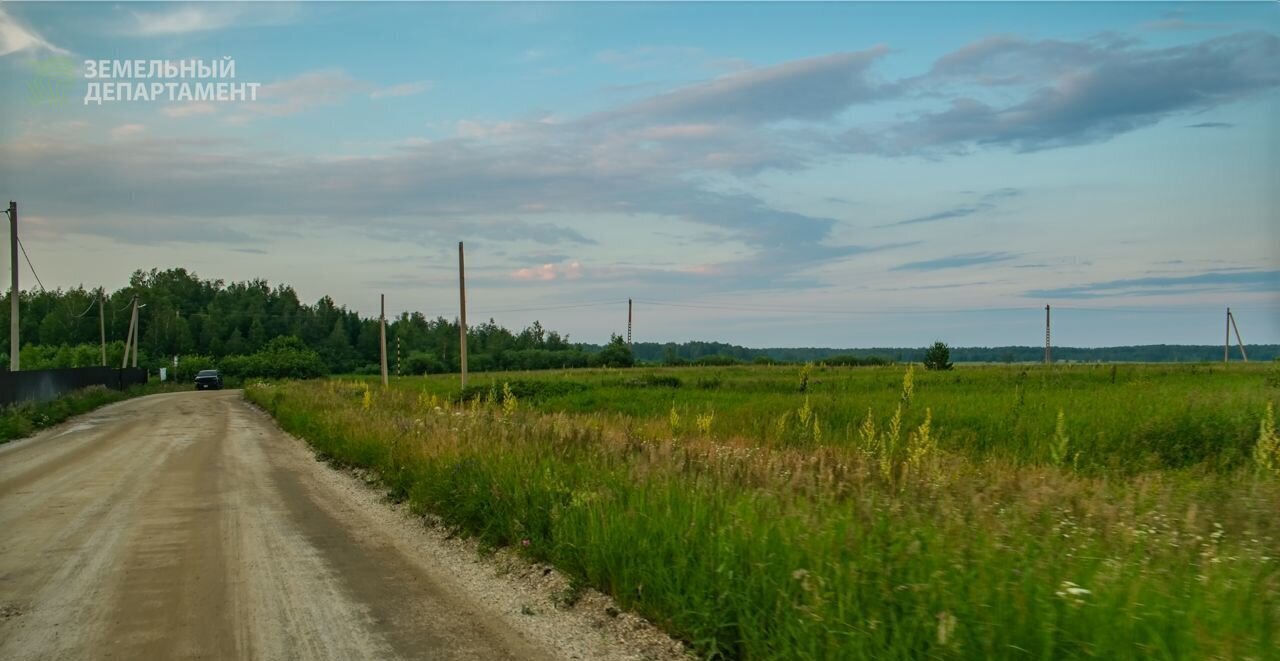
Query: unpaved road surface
[[187, 526]]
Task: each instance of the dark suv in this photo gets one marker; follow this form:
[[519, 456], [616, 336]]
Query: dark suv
[[208, 379]]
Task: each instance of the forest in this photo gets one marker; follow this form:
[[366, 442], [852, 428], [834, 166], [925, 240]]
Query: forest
[[254, 328]]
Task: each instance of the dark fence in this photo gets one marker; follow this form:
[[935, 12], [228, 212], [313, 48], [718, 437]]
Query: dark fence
[[43, 385]]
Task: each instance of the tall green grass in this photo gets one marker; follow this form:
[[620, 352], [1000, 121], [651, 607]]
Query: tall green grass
[[752, 538], [22, 420]]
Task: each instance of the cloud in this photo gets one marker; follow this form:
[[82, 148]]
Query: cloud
[[403, 89], [127, 130], [500, 180], [1178, 24], [1094, 91], [956, 261], [986, 203], [17, 38], [306, 91], [808, 89], [1211, 125], [1175, 21], [179, 19], [1228, 280], [547, 272]]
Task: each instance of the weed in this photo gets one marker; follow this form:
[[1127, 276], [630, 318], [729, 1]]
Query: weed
[[1266, 453], [948, 526]]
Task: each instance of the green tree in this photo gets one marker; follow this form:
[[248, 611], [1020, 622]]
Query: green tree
[[937, 357], [616, 353]]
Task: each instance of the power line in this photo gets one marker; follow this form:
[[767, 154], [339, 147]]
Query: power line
[[33, 269], [86, 310], [552, 307]]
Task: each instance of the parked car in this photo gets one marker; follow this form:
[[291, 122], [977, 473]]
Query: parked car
[[208, 380]]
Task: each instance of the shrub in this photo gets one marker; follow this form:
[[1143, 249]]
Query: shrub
[[188, 366], [653, 381], [283, 357], [423, 363], [616, 353], [717, 360], [937, 357]]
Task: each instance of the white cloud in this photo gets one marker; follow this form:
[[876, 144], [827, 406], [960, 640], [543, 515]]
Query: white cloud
[[306, 91], [15, 37], [126, 130], [547, 272], [403, 89], [183, 20], [204, 17]]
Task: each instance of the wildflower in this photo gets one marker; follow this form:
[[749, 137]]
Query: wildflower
[[920, 442], [1266, 453], [867, 432], [1072, 592], [703, 422], [525, 542], [1060, 447], [946, 625], [509, 401]]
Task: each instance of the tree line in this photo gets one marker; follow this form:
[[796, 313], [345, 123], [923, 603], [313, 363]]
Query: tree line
[[211, 322], [256, 329]]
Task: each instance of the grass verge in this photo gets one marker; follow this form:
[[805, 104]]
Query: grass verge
[[22, 420], [881, 543]]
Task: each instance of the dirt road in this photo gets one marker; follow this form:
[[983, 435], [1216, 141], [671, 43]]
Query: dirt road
[[187, 525]]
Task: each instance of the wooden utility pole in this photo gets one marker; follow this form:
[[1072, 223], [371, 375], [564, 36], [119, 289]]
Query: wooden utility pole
[[128, 340], [462, 317], [137, 331], [1226, 342], [102, 327], [382, 338], [13, 290], [628, 323], [1048, 358], [1239, 342]]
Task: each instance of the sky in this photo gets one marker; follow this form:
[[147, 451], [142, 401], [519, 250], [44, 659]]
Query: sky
[[766, 174]]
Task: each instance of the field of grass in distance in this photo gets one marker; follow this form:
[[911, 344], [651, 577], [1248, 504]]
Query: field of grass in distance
[[1006, 512]]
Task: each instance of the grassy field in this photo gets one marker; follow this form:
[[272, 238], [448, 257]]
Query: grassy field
[[22, 420], [846, 513]]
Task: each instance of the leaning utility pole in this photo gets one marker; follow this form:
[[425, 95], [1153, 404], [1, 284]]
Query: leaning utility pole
[[128, 340], [462, 317], [102, 327], [13, 291], [1239, 342], [1048, 359], [382, 338], [628, 322], [137, 330]]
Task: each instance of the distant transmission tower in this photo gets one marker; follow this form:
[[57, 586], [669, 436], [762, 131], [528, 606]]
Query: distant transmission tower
[[628, 322], [1048, 358]]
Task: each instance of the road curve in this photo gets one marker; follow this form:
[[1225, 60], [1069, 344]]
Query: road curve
[[186, 525]]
